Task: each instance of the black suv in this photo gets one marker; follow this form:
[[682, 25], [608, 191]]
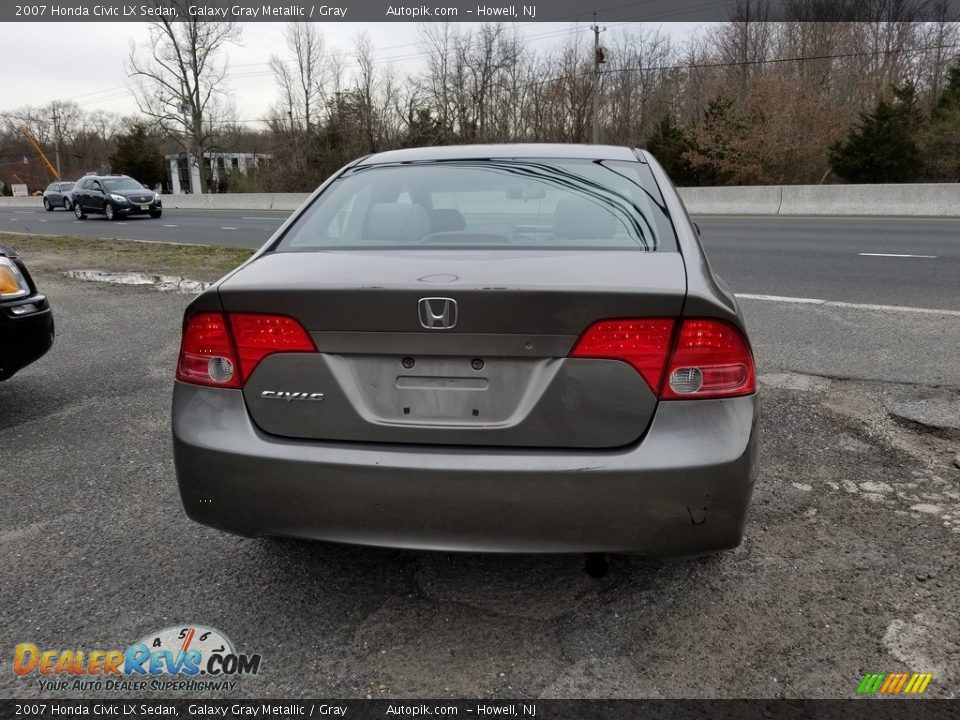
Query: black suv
[[114, 196]]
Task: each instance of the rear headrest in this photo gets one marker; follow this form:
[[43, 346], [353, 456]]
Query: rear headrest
[[447, 220], [579, 219], [396, 223]]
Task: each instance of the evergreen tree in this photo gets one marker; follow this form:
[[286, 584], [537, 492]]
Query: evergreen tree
[[950, 97], [882, 146], [669, 143], [138, 155], [940, 140]]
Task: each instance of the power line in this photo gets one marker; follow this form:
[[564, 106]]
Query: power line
[[742, 63]]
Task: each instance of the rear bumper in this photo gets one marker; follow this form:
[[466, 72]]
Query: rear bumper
[[24, 338], [684, 490]]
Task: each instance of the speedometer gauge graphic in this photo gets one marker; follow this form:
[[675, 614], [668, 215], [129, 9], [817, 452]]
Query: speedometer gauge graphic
[[180, 639]]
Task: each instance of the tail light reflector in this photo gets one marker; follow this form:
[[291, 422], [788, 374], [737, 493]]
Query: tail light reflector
[[223, 350], [709, 358], [206, 353]]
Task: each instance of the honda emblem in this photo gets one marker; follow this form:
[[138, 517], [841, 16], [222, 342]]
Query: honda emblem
[[437, 313]]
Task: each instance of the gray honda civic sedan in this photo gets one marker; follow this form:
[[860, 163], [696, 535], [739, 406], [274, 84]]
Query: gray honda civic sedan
[[515, 348]]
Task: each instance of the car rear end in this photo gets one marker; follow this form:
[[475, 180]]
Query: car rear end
[[474, 353]]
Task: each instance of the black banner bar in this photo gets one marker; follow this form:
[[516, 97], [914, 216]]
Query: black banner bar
[[474, 10]]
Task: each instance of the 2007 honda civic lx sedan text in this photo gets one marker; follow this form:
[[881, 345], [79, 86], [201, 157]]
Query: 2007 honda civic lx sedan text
[[491, 348]]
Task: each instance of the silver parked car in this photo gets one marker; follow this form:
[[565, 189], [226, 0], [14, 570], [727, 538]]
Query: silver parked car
[[58, 195], [488, 348]]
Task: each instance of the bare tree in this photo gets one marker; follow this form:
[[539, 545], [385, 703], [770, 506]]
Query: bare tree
[[301, 79], [180, 83]]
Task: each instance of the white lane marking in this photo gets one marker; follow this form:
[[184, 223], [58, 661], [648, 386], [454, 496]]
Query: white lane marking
[[853, 218], [263, 218], [226, 227], [895, 255], [853, 306], [171, 226]]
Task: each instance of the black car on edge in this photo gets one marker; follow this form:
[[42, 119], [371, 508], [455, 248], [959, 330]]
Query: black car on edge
[[26, 320], [114, 196]]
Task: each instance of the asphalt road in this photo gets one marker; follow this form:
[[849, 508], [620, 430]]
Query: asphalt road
[[856, 260], [849, 564]]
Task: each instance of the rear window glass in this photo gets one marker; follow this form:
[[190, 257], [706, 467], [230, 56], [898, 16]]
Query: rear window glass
[[478, 204]]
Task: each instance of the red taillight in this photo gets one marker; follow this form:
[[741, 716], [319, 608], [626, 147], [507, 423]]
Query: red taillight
[[257, 336], [223, 350], [206, 353], [710, 358], [644, 343]]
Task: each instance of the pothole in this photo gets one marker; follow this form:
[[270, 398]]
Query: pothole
[[938, 415]]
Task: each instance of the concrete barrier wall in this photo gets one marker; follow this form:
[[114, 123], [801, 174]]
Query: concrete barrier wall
[[930, 199], [933, 199], [236, 201], [759, 200], [21, 202]]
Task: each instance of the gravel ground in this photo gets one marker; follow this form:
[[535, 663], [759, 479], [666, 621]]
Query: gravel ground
[[849, 565]]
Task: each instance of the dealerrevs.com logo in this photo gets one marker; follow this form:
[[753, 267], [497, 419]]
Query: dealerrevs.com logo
[[186, 657]]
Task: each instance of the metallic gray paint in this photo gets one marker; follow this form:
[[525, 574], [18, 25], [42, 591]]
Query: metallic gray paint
[[402, 343], [510, 402], [503, 151], [498, 292], [683, 491]]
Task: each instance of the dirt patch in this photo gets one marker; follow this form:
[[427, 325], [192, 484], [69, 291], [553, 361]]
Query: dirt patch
[[59, 254]]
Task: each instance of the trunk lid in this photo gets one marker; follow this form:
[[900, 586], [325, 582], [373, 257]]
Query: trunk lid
[[497, 375]]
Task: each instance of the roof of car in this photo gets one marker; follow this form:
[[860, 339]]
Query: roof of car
[[516, 150]]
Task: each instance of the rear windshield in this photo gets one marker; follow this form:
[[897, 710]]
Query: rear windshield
[[122, 184], [66, 186], [477, 204]]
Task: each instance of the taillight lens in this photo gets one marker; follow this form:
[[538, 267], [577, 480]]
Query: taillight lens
[[644, 343], [710, 358], [257, 336], [206, 353], [223, 350], [12, 282]]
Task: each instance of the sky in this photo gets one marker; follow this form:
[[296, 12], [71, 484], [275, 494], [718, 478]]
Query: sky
[[85, 62]]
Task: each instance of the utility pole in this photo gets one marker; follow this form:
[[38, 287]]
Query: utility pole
[[56, 140], [598, 59]]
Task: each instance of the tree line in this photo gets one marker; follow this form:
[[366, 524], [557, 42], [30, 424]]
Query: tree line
[[742, 102]]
